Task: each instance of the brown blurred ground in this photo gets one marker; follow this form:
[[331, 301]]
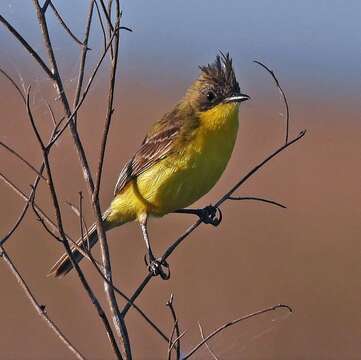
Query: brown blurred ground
[[306, 256]]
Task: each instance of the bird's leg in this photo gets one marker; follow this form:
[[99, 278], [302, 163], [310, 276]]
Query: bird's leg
[[209, 214], [143, 225], [155, 265]]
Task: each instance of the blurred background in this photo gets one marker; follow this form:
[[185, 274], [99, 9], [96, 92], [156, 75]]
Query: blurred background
[[306, 256]]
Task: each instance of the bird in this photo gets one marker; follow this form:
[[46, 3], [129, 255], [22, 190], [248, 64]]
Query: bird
[[181, 158]]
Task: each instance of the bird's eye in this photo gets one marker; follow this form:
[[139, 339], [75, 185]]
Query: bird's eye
[[210, 96]]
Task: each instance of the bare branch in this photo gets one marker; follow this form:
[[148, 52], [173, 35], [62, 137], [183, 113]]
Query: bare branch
[[110, 109], [13, 82], [170, 342], [42, 221], [25, 209], [110, 29], [66, 28], [27, 46], [257, 199], [25, 198], [176, 340], [233, 322], [39, 212], [71, 115], [109, 20], [35, 129], [118, 320], [258, 167], [83, 57], [282, 94], [206, 344], [174, 330], [74, 208], [12, 151], [41, 309], [52, 116], [101, 24], [45, 6]]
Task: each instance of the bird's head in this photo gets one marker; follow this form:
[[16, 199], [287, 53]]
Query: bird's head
[[216, 85]]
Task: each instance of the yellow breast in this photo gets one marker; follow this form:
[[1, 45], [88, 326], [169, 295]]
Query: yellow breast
[[185, 176]]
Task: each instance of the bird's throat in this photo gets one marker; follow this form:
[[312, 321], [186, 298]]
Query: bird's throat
[[220, 117]]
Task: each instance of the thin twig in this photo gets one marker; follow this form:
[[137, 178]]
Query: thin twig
[[74, 208], [27, 46], [71, 115], [13, 82], [258, 167], [45, 6], [82, 223], [233, 322], [118, 320], [169, 357], [52, 116], [39, 212], [101, 24], [110, 109], [43, 223], [282, 94], [25, 208], [15, 153], [175, 328], [206, 344], [66, 27], [26, 198], [83, 57], [32, 121], [257, 199], [107, 15], [40, 309], [176, 340]]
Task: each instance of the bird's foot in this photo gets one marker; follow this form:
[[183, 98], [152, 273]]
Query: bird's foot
[[210, 215], [157, 266]]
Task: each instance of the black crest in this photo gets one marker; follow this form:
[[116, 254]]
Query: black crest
[[220, 75]]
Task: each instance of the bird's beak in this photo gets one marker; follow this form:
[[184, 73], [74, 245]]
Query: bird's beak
[[237, 98]]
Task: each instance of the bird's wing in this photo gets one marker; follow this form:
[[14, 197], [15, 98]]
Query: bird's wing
[[157, 145]]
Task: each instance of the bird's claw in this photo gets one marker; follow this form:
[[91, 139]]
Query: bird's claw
[[157, 266], [210, 215]]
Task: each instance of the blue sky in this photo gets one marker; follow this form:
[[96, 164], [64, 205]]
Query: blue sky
[[315, 45]]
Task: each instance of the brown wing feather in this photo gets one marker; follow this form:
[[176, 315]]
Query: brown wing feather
[[158, 144], [153, 149]]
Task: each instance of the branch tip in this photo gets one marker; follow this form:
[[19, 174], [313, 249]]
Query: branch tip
[[284, 306], [283, 96]]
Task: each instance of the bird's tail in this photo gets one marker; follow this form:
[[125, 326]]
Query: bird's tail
[[64, 265]]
